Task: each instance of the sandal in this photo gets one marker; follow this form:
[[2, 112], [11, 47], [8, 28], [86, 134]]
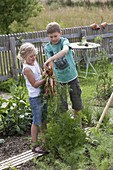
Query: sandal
[[39, 149], [43, 150], [36, 149]]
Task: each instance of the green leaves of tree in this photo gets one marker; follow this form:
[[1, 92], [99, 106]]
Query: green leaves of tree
[[17, 11]]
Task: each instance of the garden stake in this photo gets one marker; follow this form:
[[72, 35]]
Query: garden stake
[[104, 111]]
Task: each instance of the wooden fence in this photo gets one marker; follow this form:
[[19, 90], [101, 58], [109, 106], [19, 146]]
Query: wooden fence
[[10, 66]]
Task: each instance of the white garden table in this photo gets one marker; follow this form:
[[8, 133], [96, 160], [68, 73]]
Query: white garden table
[[87, 47]]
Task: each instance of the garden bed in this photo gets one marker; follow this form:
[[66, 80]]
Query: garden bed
[[16, 145]]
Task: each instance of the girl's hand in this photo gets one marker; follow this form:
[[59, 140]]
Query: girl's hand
[[45, 75]]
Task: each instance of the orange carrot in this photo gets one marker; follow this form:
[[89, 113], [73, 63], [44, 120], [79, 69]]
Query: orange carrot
[[50, 85]]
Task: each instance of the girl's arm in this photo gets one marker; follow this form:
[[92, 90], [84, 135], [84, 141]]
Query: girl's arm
[[31, 78]]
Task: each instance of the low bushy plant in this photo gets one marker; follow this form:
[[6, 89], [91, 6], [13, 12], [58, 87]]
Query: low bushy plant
[[64, 133], [104, 83], [5, 86], [64, 137], [15, 113], [100, 155]]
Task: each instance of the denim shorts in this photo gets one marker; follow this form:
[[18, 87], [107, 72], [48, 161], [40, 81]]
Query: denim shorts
[[39, 110]]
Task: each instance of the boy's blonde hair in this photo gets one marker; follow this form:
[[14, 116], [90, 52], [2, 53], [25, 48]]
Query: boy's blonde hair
[[53, 27], [26, 50]]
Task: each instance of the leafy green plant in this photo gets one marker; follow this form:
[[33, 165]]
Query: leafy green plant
[[65, 140], [104, 84], [99, 149], [15, 113], [5, 85], [64, 137], [87, 116], [56, 138]]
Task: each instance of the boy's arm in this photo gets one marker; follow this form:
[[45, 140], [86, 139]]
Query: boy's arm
[[60, 54]]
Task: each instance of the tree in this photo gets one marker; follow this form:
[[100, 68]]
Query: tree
[[18, 11]]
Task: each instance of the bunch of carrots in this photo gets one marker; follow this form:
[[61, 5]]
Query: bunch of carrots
[[50, 85]]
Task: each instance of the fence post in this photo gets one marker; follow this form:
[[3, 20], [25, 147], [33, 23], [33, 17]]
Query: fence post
[[13, 52]]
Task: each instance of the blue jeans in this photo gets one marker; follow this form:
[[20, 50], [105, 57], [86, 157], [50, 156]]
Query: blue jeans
[[39, 110]]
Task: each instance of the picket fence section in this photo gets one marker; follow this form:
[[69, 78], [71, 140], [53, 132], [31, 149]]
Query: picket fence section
[[10, 66]]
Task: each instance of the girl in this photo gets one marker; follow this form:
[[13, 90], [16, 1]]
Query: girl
[[33, 77]]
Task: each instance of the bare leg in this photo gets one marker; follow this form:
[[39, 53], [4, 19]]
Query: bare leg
[[34, 133]]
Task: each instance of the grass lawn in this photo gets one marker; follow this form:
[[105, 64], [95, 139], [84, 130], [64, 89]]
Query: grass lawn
[[74, 16]]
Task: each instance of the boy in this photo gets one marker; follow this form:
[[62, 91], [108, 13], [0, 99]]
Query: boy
[[60, 57]]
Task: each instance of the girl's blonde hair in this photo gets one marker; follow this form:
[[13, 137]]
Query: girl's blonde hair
[[26, 50]]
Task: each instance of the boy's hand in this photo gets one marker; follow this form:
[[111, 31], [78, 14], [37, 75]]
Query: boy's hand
[[48, 70], [48, 65], [47, 62]]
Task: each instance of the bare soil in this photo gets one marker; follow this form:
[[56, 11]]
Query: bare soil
[[13, 146]]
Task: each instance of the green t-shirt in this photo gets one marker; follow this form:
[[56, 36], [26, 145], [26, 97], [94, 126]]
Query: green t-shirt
[[64, 68]]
